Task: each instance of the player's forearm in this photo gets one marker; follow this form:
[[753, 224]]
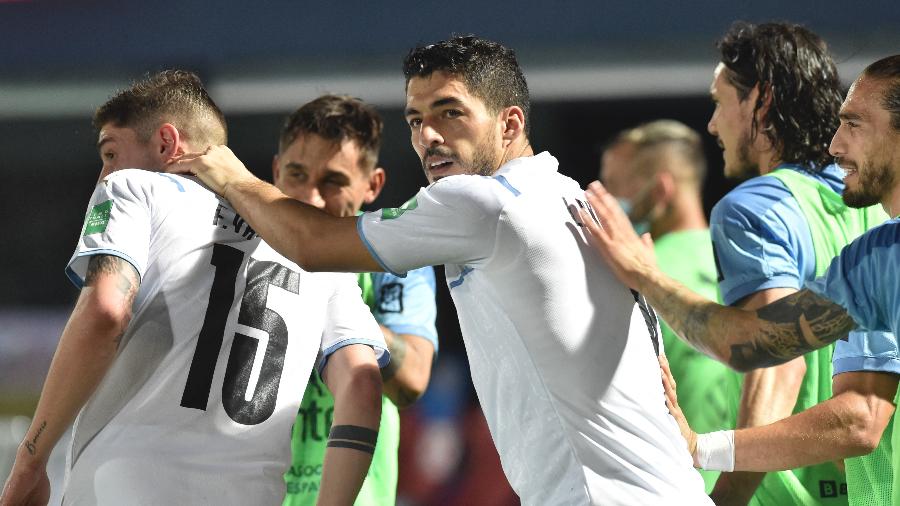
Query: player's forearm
[[85, 353], [841, 427], [780, 331], [705, 325], [357, 414], [406, 376], [313, 239]]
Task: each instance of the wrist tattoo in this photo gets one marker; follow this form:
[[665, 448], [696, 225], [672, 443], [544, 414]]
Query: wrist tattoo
[[31, 446], [353, 437]]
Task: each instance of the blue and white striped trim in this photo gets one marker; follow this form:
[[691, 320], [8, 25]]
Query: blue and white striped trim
[[172, 179], [78, 281], [502, 180], [372, 252], [383, 360]]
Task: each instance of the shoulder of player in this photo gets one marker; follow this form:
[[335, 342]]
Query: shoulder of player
[[141, 181], [468, 193], [752, 201], [884, 236]]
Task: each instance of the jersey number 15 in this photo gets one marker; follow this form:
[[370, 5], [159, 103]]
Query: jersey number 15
[[255, 317]]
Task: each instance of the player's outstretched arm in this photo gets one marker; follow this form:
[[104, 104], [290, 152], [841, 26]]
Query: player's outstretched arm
[[312, 238], [85, 352], [354, 379], [774, 334], [849, 424]]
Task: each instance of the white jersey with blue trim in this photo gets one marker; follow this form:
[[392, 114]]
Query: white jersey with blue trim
[[198, 404], [560, 354]]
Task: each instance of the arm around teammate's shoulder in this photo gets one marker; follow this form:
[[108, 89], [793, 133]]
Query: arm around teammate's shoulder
[[313, 239], [354, 379]]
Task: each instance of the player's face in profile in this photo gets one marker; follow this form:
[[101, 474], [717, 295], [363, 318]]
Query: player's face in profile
[[120, 148], [731, 124], [451, 130], [866, 146], [324, 174]]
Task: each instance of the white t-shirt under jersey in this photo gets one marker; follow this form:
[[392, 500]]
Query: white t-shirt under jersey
[[198, 405], [560, 354]]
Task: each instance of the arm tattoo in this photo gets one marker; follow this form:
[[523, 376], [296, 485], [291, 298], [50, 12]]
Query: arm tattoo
[[126, 277], [31, 446], [398, 354], [791, 327]]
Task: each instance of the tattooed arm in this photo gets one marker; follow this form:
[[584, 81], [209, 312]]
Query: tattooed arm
[[85, 352], [406, 376], [778, 332]]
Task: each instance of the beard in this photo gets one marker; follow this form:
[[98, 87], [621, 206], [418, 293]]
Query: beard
[[872, 180], [743, 167], [484, 158]]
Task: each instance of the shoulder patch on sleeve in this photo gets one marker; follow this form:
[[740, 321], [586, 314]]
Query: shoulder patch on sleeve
[[98, 218], [390, 298], [396, 212]]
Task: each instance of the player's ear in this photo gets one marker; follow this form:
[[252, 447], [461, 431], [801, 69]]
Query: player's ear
[[664, 189], [168, 142], [513, 123], [377, 178]]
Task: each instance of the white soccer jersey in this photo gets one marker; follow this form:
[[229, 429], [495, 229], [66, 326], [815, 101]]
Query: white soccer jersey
[[560, 353], [198, 405]]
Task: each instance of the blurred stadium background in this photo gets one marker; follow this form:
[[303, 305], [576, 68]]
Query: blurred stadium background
[[593, 68]]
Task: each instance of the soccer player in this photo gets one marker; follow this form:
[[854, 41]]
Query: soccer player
[[656, 171], [328, 157], [859, 289], [777, 95], [562, 355], [188, 349]]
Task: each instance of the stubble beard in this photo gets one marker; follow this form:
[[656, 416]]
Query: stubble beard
[[743, 167], [872, 180]]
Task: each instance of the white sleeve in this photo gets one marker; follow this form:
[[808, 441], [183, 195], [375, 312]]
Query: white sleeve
[[453, 221], [117, 223], [349, 321]]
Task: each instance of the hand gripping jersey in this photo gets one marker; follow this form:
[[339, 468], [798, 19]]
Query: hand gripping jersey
[[197, 407], [560, 353]]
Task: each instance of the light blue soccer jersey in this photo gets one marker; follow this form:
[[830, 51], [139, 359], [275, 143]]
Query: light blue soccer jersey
[[760, 236], [865, 279], [406, 305]]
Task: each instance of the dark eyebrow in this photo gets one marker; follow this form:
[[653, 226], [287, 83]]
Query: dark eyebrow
[[437, 103], [295, 166]]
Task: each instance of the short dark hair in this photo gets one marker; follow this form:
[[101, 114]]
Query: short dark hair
[[337, 118], [170, 96], [791, 67], [888, 69], [488, 69]]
